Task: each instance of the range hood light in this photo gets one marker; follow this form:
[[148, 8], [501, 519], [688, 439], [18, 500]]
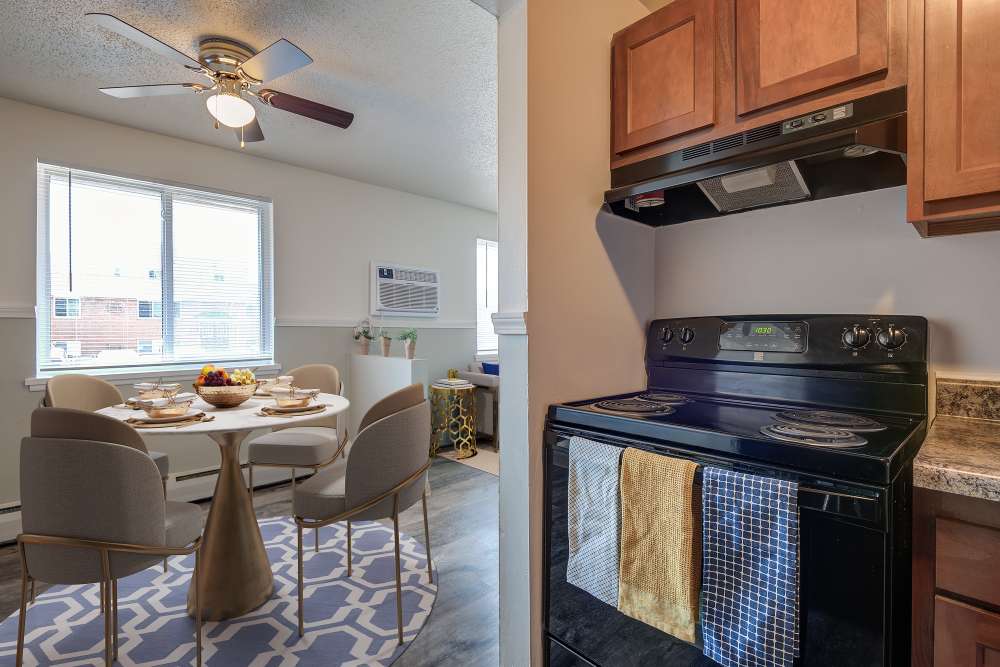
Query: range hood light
[[859, 151], [648, 199], [748, 180]]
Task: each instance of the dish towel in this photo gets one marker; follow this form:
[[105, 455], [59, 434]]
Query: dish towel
[[660, 543], [593, 518], [751, 570]]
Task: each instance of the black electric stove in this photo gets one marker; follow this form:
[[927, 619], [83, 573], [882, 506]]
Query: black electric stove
[[837, 403]]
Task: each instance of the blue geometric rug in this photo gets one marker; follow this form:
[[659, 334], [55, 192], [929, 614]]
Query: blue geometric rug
[[348, 621]]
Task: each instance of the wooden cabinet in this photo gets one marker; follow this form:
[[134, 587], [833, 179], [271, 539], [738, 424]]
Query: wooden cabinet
[[954, 102], [956, 581], [664, 75], [785, 50]]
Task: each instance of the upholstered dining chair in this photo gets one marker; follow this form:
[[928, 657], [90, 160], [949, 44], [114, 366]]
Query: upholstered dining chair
[[310, 446], [92, 510], [385, 472], [86, 392]]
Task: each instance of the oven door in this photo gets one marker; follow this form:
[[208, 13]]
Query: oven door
[[844, 576]]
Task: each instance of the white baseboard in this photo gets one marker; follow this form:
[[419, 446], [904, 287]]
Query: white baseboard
[[189, 490]]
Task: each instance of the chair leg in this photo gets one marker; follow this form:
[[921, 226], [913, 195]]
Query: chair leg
[[32, 591], [102, 596], [399, 584], [299, 552], [348, 547], [427, 539], [114, 614], [106, 579], [316, 539], [166, 566], [197, 604], [21, 618]]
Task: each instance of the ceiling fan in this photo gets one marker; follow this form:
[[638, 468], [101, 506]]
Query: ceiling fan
[[236, 74]]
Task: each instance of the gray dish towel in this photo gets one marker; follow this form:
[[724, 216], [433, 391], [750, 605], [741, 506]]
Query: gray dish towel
[[594, 518]]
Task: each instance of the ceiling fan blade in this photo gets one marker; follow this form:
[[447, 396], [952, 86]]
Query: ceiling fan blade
[[115, 24], [307, 108], [250, 132], [128, 92], [276, 60]]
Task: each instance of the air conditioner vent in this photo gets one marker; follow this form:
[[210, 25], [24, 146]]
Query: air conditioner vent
[[725, 143], [761, 133], [404, 292], [692, 152]]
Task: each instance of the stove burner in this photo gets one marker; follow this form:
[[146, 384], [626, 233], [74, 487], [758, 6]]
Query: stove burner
[[826, 418], [636, 406], [663, 397], [818, 436]]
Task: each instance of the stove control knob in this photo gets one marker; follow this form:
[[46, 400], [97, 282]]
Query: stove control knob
[[857, 337], [667, 335], [687, 335], [891, 337]]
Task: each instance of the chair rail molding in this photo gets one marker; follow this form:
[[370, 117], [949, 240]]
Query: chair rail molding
[[510, 323], [17, 310]]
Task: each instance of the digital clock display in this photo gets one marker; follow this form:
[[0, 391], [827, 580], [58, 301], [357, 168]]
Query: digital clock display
[[762, 331], [764, 337]]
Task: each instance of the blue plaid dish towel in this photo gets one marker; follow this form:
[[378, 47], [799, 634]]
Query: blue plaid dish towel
[[594, 518], [750, 589]]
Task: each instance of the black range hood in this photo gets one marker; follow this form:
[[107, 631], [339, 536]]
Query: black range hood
[[844, 149]]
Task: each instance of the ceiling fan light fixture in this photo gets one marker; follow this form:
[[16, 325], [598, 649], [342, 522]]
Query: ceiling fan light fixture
[[230, 109]]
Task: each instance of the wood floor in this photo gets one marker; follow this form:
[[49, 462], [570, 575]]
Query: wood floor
[[463, 627]]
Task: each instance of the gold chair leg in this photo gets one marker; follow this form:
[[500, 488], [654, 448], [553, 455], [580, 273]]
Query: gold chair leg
[[348, 547], [399, 586], [299, 552], [106, 580], [102, 596], [197, 604], [114, 613], [21, 618], [427, 539]]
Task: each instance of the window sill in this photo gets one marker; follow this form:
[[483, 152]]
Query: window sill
[[493, 357], [179, 373]]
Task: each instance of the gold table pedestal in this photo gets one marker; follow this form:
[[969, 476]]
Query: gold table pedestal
[[234, 571], [453, 411]]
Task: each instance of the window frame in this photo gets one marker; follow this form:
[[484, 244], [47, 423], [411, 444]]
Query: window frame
[[487, 355], [168, 192]]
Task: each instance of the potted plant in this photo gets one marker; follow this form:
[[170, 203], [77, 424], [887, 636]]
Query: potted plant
[[386, 339], [409, 338], [363, 335]]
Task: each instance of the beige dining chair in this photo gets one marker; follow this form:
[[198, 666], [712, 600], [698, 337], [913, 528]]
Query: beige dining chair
[[92, 510], [385, 472], [312, 445], [86, 392]]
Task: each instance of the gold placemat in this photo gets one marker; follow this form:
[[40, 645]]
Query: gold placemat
[[196, 419], [660, 548], [271, 412]]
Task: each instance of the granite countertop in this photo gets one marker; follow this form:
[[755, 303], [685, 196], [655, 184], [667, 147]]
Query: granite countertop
[[962, 456]]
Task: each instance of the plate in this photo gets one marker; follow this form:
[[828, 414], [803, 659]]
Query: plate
[[166, 420], [301, 408]]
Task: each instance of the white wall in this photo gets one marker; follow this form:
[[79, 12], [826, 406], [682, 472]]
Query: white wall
[[326, 231], [850, 254]]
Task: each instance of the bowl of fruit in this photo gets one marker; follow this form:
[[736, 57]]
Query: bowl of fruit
[[225, 390]]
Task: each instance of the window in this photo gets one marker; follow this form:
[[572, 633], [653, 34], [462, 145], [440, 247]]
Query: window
[[67, 307], [149, 309], [148, 276], [487, 280]]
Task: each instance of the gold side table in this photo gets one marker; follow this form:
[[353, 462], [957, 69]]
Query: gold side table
[[453, 411]]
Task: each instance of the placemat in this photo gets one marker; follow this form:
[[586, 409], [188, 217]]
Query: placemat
[[270, 412]]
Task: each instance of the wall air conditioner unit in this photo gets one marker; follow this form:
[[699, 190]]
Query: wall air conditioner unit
[[399, 291]]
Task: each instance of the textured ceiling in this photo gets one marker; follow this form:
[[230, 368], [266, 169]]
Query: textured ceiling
[[420, 75]]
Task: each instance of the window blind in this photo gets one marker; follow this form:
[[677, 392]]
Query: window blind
[[487, 281], [146, 275]]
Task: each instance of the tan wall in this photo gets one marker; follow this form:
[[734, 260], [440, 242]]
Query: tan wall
[[590, 281], [845, 255]]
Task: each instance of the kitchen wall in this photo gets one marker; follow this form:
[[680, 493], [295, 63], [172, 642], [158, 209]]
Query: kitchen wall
[[851, 254], [590, 279], [326, 231]]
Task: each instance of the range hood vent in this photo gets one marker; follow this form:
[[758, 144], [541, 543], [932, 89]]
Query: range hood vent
[[853, 147]]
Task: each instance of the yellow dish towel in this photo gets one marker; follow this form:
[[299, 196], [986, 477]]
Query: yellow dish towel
[[660, 548]]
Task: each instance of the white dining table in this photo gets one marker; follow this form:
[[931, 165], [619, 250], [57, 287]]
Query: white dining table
[[233, 568]]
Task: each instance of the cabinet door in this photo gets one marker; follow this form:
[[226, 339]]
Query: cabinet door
[[663, 78], [962, 98], [788, 49], [965, 636]]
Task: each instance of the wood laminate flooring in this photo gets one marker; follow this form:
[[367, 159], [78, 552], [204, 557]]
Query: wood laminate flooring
[[463, 510]]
